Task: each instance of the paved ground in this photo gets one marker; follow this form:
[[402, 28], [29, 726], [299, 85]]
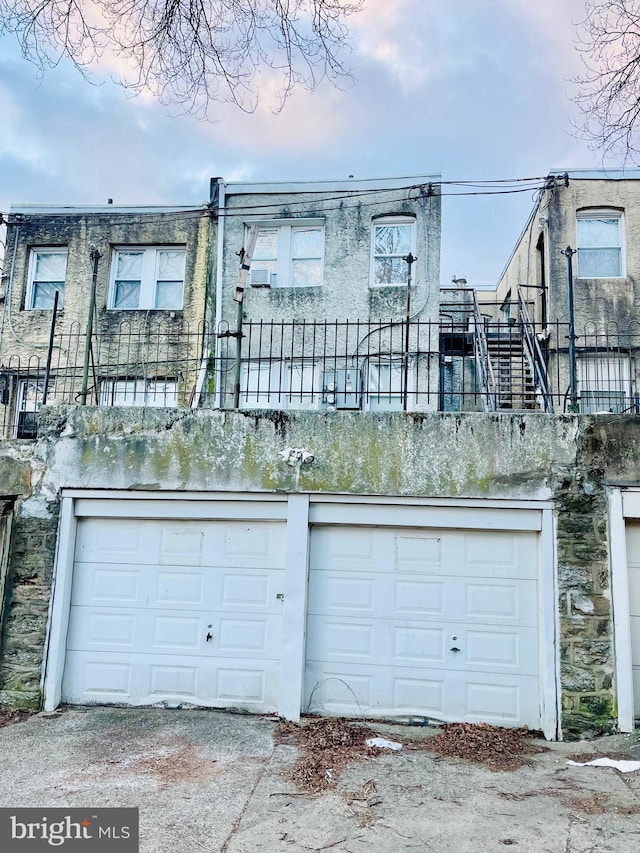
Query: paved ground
[[213, 781]]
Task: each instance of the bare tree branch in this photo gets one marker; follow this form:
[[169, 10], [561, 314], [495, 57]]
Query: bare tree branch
[[609, 91], [190, 53]]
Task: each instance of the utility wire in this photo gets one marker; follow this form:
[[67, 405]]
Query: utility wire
[[483, 187]]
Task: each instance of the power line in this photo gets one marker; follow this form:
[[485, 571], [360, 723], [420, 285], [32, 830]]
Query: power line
[[425, 191]]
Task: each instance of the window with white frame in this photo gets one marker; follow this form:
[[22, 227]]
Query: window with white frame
[[393, 238], [47, 272], [603, 383], [147, 277], [288, 255], [600, 243], [279, 385], [385, 385], [154, 393]]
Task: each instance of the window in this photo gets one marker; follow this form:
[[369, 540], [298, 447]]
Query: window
[[385, 384], [279, 385], [29, 400], [47, 271], [155, 393], [288, 256], [393, 239], [146, 278], [603, 384], [599, 240]]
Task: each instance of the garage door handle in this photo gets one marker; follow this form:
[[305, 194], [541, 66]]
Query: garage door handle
[[455, 649], [209, 636]]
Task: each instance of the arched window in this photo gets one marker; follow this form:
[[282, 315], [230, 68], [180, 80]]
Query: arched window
[[392, 238]]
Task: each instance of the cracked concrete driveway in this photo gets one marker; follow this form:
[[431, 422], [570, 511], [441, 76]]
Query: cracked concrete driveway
[[207, 780]]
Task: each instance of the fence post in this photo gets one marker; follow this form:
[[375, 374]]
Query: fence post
[[95, 257], [410, 260], [47, 369], [573, 388]]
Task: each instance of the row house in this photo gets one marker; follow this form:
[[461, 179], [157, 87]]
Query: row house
[[339, 310]]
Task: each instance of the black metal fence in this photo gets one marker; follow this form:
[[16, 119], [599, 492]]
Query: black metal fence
[[449, 365]]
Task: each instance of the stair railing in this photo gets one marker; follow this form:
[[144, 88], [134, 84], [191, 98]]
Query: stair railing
[[533, 353], [484, 367]]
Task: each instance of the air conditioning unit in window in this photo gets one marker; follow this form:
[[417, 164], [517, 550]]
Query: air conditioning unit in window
[[262, 278]]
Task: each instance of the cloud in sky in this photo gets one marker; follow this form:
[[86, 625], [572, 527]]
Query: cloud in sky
[[473, 90]]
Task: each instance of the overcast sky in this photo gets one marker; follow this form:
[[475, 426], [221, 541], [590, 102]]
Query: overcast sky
[[473, 89]]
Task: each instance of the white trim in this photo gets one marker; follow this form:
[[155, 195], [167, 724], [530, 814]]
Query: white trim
[[34, 251], [391, 219], [587, 213], [270, 222], [59, 608], [435, 516], [294, 617], [149, 275], [177, 509], [619, 509], [549, 630], [630, 502], [285, 228], [121, 495], [72, 209]]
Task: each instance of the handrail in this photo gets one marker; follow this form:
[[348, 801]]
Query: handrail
[[534, 353], [483, 361]]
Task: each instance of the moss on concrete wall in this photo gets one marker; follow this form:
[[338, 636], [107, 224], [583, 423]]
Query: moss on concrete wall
[[568, 460]]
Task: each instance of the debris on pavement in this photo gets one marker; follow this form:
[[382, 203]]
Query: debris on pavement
[[327, 746], [618, 764], [383, 743], [7, 718], [497, 749]]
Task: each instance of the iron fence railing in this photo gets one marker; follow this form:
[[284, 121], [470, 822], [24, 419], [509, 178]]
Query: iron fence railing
[[324, 366]]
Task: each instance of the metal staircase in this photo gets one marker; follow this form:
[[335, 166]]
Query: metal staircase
[[510, 366], [515, 388]]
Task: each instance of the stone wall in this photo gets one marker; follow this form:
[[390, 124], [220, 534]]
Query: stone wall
[[31, 562], [568, 460]]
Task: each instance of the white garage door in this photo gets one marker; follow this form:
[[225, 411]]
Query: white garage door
[[633, 561], [176, 611], [439, 623]]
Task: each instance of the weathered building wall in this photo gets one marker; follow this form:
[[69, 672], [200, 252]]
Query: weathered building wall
[[568, 460], [551, 228], [345, 292], [132, 339]]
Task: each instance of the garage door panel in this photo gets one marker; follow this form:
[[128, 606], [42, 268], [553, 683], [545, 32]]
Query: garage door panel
[[351, 549], [176, 611], [387, 596], [348, 593], [176, 633], [380, 642], [207, 588], [437, 622], [223, 543], [104, 678], [502, 700]]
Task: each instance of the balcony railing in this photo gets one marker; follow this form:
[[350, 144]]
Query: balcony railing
[[323, 366]]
